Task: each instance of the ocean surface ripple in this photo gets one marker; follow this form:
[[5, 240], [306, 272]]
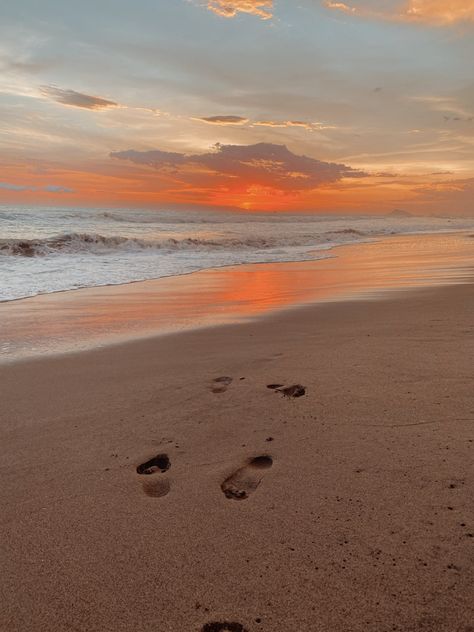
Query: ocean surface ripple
[[46, 250]]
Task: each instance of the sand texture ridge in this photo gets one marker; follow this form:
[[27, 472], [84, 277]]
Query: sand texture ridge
[[311, 471]]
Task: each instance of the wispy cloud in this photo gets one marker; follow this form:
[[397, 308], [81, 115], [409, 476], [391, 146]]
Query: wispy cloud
[[13, 187], [53, 188], [223, 120], [76, 99], [440, 11], [230, 8], [303, 124], [49, 188], [448, 194], [436, 12], [451, 107], [340, 6], [242, 120]]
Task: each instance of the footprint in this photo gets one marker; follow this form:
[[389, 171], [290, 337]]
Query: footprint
[[224, 626], [159, 463], [220, 384], [245, 480], [292, 391], [156, 487]]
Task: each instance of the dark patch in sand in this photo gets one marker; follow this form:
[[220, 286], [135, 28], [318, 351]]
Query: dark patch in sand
[[157, 487], [225, 379], [240, 484], [223, 626], [220, 384], [159, 463], [274, 386], [292, 391]]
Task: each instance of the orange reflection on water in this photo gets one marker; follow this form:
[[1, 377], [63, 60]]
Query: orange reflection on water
[[85, 318]]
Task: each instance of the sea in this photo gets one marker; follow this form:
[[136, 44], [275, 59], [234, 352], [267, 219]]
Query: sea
[[45, 250]]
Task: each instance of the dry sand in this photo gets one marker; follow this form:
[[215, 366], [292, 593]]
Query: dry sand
[[347, 509]]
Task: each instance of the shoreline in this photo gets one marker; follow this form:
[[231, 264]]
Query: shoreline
[[362, 521], [78, 320], [369, 240]]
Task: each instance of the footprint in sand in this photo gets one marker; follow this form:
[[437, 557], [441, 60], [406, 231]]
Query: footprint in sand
[[159, 463], [224, 626], [246, 479], [220, 384], [155, 487], [297, 390]]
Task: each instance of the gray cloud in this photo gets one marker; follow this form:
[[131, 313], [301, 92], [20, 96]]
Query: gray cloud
[[13, 187], [50, 188], [76, 99], [263, 164], [224, 120]]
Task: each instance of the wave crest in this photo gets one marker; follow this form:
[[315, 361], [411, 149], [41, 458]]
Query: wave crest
[[75, 243]]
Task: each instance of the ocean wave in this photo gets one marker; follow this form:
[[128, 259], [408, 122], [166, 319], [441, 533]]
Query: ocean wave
[[86, 243]]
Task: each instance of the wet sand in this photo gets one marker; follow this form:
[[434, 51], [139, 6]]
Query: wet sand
[[161, 485], [86, 318]]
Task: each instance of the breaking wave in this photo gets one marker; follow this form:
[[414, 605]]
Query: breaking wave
[[71, 243]]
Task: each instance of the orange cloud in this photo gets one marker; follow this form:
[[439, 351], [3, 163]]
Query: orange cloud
[[230, 8], [437, 12], [440, 11], [303, 124], [340, 6], [241, 120]]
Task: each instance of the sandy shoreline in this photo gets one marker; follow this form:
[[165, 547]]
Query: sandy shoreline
[[363, 521], [81, 319]]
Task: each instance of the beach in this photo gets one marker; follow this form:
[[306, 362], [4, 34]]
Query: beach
[[71, 321], [347, 507]]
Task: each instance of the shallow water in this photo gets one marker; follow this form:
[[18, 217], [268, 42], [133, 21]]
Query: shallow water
[[49, 250], [81, 319]]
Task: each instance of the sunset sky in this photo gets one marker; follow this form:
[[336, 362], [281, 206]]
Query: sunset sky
[[311, 105]]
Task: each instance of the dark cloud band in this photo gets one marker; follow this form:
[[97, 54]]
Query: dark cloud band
[[263, 164]]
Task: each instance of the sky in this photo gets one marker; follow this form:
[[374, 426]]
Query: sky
[[261, 105]]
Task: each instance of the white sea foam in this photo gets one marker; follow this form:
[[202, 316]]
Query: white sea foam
[[49, 250]]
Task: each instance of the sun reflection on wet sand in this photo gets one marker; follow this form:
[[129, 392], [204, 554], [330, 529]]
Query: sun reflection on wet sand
[[84, 318]]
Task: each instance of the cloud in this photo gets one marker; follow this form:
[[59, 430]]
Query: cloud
[[436, 12], [453, 195], [230, 8], [76, 99], [50, 188], [304, 124], [243, 167], [440, 11], [13, 187], [340, 6], [53, 188], [223, 120], [452, 108], [241, 120]]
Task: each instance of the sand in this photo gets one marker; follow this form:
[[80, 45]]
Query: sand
[[348, 508]]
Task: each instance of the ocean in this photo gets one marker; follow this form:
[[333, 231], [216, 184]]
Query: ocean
[[45, 250]]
